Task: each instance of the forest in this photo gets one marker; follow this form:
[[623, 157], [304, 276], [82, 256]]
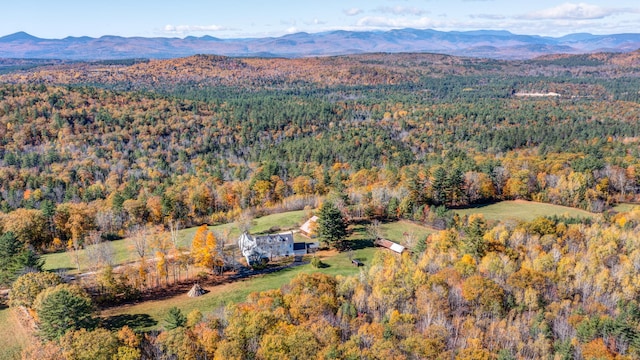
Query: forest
[[92, 152]]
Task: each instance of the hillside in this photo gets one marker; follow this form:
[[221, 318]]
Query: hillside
[[600, 75], [489, 44], [200, 138]]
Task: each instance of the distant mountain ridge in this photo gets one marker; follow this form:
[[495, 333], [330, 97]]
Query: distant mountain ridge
[[498, 44]]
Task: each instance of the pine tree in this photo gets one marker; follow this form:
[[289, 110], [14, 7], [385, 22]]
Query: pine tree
[[62, 310], [473, 242], [454, 184], [9, 249], [438, 186], [175, 319], [332, 228], [15, 258]]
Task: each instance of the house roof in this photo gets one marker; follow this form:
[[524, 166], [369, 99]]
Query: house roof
[[306, 227], [272, 239], [390, 245], [299, 246]]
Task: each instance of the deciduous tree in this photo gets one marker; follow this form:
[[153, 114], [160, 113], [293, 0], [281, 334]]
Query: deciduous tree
[[26, 288]]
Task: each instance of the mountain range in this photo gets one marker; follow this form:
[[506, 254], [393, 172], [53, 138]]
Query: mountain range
[[481, 43]]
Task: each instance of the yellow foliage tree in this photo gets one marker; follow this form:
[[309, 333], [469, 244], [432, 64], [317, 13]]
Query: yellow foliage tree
[[204, 249]]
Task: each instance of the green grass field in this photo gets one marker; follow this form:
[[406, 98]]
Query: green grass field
[[149, 315], [123, 251], [395, 231], [13, 337], [626, 207], [523, 210]]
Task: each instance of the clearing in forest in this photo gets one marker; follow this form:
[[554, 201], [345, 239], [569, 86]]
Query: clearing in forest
[[523, 210]]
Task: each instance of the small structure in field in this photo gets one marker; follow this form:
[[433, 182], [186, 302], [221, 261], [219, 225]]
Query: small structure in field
[[537, 94], [308, 229], [196, 291], [390, 245]]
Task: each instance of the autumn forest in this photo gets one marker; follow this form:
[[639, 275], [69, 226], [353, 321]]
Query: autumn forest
[[94, 152]]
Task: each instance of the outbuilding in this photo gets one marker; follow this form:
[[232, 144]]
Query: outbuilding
[[395, 247]]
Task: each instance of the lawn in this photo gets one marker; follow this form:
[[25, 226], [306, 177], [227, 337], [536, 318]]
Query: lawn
[[395, 231], [523, 210], [149, 315], [123, 252], [626, 207], [13, 337]]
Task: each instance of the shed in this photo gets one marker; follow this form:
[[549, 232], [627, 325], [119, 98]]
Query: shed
[[390, 245]]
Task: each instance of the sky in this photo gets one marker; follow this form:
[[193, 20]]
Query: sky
[[54, 19]]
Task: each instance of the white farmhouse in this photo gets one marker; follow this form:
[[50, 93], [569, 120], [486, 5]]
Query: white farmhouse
[[257, 248]]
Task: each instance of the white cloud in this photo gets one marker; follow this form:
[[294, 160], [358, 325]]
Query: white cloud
[[291, 22], [384, 22], [400, 10], [315, 22], [292, 30], [352, 12], [182, 29], [581, 11], [488, 16]]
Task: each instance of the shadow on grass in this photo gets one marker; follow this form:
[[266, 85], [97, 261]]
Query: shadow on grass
[[134, 321], [473, 206], [62, 270], [359, 244]]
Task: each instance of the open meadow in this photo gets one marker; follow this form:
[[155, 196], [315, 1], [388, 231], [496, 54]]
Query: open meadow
[[626, 207], [13, 336], [523, 210]]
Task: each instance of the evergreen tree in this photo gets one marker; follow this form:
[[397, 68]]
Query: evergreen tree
[[439, 186], [15, 258], [454, 184], [473, 242], [62, 310], [332, 228], [392, 208], [175, 319], [48, 209]]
